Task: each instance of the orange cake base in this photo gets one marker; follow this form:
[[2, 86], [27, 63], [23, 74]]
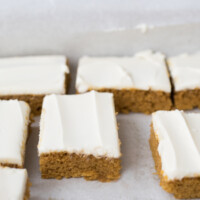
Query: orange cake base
[[132, 100], [187, 99], [185, 188], [34, 101], [62, 164]]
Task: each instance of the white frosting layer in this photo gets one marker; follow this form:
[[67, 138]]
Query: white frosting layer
[[14, 119], [146, 70], [179, 143], [33, 75], [84, 123], [12, 183], [185, 71]]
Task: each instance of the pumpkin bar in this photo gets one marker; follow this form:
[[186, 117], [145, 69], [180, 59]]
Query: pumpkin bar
[[185, 74], [139, 83], [175, 146], [31, 78], [14, 122], [79, 137], [14, 184]]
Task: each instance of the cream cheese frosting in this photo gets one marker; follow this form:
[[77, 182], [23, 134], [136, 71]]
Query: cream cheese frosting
[[179, 143], [14, 120], [185, 71], [12, 183], [146, 70], [33, 75], [82, 124]]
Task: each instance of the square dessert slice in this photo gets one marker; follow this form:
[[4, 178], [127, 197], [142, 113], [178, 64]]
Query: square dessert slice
[[185, 74], [79, 137], [175, 146], [31, 78], [14, 120], [14, 184], [139, 83]]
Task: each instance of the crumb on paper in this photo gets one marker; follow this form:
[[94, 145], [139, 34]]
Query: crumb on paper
[[144, 27]]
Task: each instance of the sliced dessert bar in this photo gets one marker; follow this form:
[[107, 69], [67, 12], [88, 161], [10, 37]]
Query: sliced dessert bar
[[139, 83], [31, 78], [14, 184], [79, 137], [175, 146], [185, 73], [14, 120]]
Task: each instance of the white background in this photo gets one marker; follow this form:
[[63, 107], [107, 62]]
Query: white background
[[46, 16], [61, 26]]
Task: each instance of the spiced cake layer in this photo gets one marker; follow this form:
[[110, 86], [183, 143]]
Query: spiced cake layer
[[175, 146], [185, 74], [14, 184], [31, 78], [14, 121], [139, 83], [79, 137]]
